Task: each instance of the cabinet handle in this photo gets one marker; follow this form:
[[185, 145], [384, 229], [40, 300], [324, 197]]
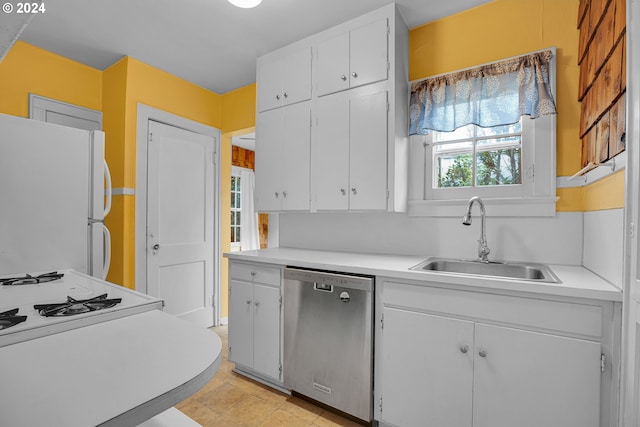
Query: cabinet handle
[[482, 353], [253, 274], [343, 78], [353, 190], [464, 349], [343, 191], [286, 95], [257, 303], [276, 194], [248, 302], [278, 97], [355, 75], [284, 194]]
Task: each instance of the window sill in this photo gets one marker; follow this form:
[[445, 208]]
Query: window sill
[[495, 207]]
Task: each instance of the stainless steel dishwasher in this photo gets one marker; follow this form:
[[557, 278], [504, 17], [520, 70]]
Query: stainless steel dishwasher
[[328, 345]]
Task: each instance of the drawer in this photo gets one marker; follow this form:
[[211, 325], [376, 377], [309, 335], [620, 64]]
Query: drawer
[[255, 273], [563, 317]]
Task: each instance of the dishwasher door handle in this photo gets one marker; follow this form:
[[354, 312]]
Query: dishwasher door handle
[[322, 287]]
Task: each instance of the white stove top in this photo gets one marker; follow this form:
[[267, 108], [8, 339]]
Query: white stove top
[[75, 285]]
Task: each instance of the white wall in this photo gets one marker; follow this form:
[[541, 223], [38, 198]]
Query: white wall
[[603, 244], [551, 240]]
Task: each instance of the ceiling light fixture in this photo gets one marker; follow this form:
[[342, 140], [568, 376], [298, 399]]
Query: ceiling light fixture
[[245, 4]]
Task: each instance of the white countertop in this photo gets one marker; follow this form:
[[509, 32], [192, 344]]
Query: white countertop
[[576, 281], [116, 373]]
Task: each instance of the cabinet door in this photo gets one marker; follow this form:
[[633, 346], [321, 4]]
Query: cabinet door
[[241, 322], [333, 65], [330, 161], [529, 379], [368, 152], [296, 157], [269, 83], [284, 80], [266, 333], [369, 57], [427, 373], [268, 161], [296, 84]]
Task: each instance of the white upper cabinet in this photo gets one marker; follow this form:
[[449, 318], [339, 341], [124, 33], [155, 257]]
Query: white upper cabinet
[[354, 58], [349, 152], [284, 80], [283, 139], [353, 81]]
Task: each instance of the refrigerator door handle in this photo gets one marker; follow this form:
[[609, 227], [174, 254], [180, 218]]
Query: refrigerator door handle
[[108, 189], [107, 251]]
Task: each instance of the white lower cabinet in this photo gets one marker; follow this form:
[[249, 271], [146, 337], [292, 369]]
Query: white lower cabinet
[[427, 379], [532, 379], [254, 320], [446, 371]]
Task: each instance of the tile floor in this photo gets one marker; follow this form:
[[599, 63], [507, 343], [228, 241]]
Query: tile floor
[[231, 400]]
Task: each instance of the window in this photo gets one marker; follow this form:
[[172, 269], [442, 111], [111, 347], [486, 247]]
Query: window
[[236, 212], [510, 165], [472, 156]]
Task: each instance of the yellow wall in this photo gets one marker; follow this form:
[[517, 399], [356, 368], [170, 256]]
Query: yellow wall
[[502, 29], [505, 28], [29, 69]]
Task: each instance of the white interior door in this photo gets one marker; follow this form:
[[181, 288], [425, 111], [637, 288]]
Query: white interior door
[[180, 221]]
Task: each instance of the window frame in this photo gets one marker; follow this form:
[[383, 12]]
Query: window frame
[[535, 197], [235, 173]]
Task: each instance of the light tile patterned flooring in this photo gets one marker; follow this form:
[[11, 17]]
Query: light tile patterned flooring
[[231, 400]]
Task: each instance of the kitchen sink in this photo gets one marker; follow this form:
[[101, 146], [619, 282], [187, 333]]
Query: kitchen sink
[[503, 269]]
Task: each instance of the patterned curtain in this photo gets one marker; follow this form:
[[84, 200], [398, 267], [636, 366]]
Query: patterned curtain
[[489, 95]]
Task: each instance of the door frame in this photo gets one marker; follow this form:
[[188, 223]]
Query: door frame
[[145, 114]]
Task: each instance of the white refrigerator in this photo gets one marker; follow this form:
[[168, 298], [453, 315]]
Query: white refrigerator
[[53, 198]]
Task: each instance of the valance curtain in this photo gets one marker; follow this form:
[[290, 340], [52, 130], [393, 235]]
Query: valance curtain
[[488, 95]]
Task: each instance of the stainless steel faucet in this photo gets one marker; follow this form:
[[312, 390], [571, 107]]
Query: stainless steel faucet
[[483, 249]]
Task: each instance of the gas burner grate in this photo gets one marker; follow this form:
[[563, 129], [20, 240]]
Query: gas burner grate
[[29, 279], [10, 318], [74, 306]]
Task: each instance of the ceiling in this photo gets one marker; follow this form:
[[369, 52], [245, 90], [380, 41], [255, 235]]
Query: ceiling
[[208, 42]]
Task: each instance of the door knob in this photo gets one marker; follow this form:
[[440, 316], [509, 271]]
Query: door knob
[[155, 248]]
